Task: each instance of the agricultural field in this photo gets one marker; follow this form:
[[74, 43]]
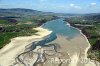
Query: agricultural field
[[22, 27]]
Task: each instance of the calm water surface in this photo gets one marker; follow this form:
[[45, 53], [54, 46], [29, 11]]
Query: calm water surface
[[61, 28]]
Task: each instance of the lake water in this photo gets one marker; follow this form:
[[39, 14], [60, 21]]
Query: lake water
[[59, 27]]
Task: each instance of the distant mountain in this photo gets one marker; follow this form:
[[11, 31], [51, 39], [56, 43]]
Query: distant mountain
[[19, 12], [22, 12], [92, 16], [26, 12]]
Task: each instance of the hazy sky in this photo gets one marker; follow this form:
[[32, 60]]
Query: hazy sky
[[63, 6]]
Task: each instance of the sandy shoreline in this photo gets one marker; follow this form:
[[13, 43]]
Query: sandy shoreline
[[91, 62], [17, 46], [89, 46], [54, 54]]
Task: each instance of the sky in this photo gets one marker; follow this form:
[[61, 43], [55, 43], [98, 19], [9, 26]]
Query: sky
[[57, 6]]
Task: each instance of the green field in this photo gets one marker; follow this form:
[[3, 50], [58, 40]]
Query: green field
[[21, 28], [15, 31]]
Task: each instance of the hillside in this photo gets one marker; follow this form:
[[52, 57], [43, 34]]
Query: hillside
[[22, 12], [19, 12]]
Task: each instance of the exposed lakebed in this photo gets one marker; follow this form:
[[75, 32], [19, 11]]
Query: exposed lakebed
[[64, 46]]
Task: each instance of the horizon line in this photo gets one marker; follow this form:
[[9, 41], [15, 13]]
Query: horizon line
[[52, 11]]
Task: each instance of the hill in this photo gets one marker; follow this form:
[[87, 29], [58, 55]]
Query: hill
[[29, 12]]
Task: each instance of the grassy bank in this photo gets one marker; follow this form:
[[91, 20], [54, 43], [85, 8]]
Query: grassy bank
[[23, 27]]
